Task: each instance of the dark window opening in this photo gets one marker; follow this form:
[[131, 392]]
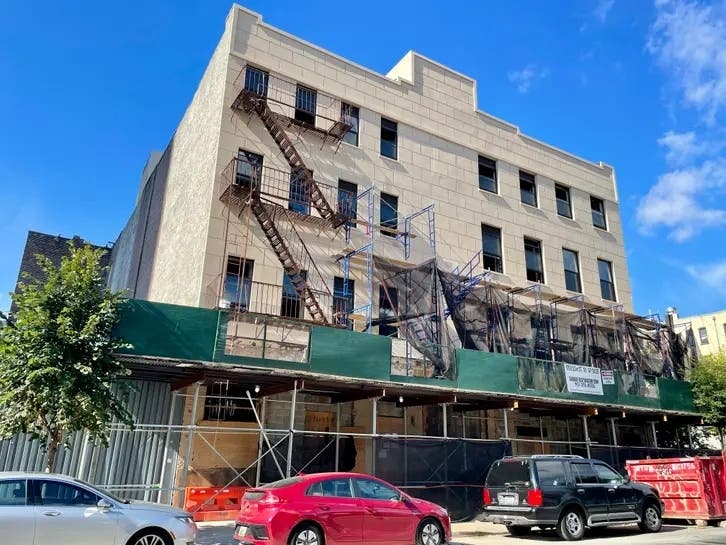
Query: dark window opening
[[227, 403], [291, 306], [348, 201], [389, 138], [703, 335], [491, 240], [299, 195], [249, 168], [533, 260], [527, 188], [509, 472], [487, 174], [237, 283], [598, 213], [388, 313], [256, 80], [564, 206], [389, 214], [584, 473], [351, 116], [550, 473], [607, 285], [306, 104], [572, 270], [343, 299], [12, 492]]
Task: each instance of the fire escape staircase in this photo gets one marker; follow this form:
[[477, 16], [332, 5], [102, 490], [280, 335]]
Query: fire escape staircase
[[265, 213]]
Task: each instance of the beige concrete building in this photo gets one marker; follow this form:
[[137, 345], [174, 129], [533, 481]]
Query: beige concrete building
[[416, 135], [706, 333]]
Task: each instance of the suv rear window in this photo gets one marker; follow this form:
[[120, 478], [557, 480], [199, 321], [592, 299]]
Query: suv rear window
[[509, 472], [550, 473]]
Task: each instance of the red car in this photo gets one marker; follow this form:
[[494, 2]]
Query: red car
[[337, 508]]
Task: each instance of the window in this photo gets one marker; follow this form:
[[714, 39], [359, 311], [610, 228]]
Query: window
[[607, 286], [572, 270], [256, 80], [491, 243], [65, 494], [336, 488], [509, 471], [388, 313], [584, 473], [724, 329], [551, 473], [299, 195], [227, 402], [703, 335], [12, 492], [291, 306], [562, 196], [389, 138], [306, 104], [607, 475], [533, 260], [527, 188], [374, 490], [389, 214], [598, 213], [348, 200], [343, 298], [237, 283], [249, 167], [351, 116], [487, 174]]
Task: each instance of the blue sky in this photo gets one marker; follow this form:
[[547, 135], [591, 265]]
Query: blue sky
[[87, 91]]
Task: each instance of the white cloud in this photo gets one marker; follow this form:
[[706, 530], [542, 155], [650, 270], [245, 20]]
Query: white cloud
[[681, 200], [525, 77], [688, 38], [681, 147], [603, 9], [711, 274]]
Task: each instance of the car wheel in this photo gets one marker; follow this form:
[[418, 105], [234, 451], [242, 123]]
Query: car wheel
[[430, 533], [572, 525], [150, 538], [519, 530], [306, 535], [652, 519]]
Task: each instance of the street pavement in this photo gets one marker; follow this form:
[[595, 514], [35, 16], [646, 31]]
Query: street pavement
[[482, 533]]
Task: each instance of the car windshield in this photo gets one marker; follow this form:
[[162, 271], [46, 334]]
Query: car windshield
[[509, 472], [101, 491], [283, 483]]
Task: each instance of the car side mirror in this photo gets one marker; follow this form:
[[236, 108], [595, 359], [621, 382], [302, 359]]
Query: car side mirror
[[104, 505]]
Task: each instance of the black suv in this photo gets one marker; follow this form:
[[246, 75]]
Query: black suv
[[567, 493]]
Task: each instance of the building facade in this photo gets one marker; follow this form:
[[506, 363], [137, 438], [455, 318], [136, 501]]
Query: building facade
[[330, 268], [705, 333]]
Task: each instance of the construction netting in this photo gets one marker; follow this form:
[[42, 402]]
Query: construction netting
[[436, 309]]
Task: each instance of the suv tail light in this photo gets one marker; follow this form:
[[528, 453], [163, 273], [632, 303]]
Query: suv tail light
[[487, 497], [535, 498]]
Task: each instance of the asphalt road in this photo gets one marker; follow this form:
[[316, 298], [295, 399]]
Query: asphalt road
[[487, 534]]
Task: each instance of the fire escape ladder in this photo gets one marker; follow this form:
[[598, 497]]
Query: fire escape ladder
[[282, 249], [253, 102]]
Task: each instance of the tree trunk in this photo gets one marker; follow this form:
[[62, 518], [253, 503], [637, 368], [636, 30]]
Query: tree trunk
[[52, 451]]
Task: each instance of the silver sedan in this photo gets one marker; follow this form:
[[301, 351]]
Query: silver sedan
[[41, 508]]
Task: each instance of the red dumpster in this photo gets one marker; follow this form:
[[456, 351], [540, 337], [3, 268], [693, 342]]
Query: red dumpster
[[691, 488]]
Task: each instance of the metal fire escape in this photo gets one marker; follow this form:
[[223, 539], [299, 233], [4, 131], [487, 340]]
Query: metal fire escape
[[291, 249]]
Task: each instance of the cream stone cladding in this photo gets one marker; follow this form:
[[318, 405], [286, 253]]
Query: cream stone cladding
[[715, 326], [440, 135]]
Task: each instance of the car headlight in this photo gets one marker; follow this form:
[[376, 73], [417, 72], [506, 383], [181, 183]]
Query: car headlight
[[186, 519]]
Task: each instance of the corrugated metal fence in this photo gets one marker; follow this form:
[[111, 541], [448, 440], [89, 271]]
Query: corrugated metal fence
[[137, 464]]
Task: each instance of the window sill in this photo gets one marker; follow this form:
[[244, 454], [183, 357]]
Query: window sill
[[387, 157], [603, 229], [568, 218], [487, 192], [533, 206]]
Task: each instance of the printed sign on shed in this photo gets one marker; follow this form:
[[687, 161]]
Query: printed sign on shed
[[583, 380], [608, 376]]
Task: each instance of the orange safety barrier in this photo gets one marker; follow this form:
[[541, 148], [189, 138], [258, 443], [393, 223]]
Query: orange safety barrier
[[214, 502]]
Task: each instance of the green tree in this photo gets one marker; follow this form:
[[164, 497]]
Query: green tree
[[58, 373], [709, 389]]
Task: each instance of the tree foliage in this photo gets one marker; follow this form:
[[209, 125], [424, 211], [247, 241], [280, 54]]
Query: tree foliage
[[58, 373], [709, 389]]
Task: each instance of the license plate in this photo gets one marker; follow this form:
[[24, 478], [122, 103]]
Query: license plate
[[241, 530], [508, 499]]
